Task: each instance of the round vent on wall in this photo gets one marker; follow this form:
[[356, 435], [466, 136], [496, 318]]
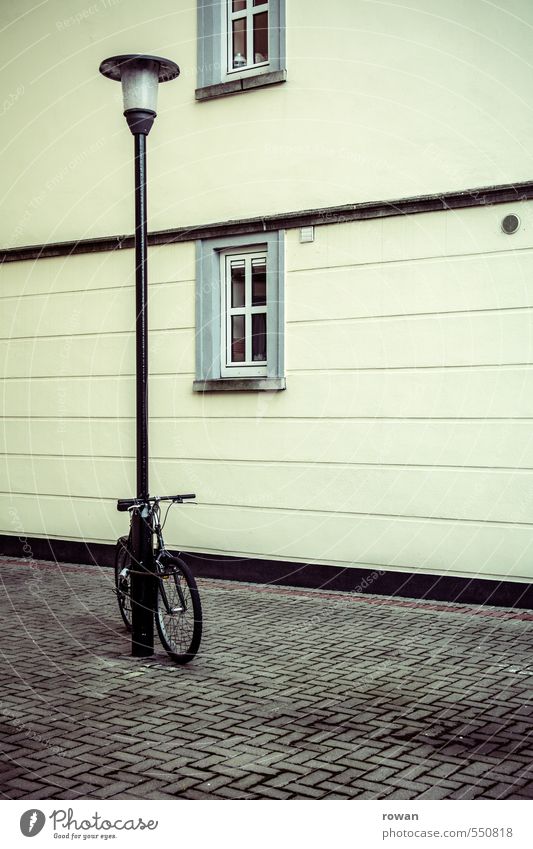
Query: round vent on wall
[[510, 223]]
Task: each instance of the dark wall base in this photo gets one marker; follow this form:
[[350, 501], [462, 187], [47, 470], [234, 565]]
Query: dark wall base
[[311, 575], [374, 581], [60, 550]]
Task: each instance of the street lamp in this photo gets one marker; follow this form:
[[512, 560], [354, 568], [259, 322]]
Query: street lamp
[[140, 76]]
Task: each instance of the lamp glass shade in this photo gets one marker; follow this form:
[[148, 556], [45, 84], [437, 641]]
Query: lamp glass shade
[[139, 80]]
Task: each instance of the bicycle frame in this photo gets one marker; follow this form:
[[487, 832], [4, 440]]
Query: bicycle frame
[[159, 548]]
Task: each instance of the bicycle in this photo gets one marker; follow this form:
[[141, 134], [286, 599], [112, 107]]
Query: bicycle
[[178, 610]]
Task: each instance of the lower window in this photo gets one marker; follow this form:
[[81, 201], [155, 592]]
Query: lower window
[[244, 310], [239, 313]]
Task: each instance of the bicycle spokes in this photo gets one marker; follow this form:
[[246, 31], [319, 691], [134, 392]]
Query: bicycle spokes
[[179, 613]]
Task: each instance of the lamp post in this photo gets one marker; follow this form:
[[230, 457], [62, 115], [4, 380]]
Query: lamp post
[[140, 76]]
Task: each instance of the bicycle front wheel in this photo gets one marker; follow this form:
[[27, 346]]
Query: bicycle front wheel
[[179, 611], [123, 579]]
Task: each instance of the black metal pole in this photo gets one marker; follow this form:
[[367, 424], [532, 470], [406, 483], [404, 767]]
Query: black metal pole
[[142, 580]]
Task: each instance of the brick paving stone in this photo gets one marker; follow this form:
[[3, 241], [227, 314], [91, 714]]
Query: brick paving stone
[[379, 790], [444, 769], [507, 767], [111, 790], [358, 767], [24, 786], [400, 794], [272, 792], [436, 792], [229, 793], [229, 771], [473, 773], [212, 785], [90, 778], [416, 787], [18, 793], [315, 777], [78, 751], [163, 774], [527, 789], [369, 697], [371, 794], [302, 791], [177, 787], [283, 778], [380, 775], [334, 792], [414, 771], [199, 794], [191, 772], [525, 773], [129, 776], [85, 790], [146, 789], [471, 791], [246, 782]]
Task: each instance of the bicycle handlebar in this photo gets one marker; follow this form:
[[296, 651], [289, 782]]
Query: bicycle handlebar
[[124, 504]]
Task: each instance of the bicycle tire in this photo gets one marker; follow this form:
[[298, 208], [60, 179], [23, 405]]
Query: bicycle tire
[[123, 582], [181, 631]]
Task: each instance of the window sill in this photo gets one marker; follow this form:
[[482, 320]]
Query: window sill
[[210, 92], [240, 384]]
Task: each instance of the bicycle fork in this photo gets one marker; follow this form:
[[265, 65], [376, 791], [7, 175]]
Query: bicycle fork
[[170, 610]]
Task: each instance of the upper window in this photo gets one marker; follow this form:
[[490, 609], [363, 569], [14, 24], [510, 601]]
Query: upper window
[[241, 45], [239, 313], [247, 34]]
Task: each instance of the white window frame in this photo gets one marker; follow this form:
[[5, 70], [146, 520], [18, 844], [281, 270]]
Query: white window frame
[[248, 368], [211, 317], [216, 75], [227, 50]]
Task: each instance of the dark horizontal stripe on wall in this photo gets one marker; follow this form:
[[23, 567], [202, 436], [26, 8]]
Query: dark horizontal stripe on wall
[[60, 550], [285, 221], [311, 575], [374, 581]]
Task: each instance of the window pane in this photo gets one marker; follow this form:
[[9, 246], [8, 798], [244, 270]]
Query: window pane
[[258, 282], [237, 284], [260, 2], [259, 337], [261, 37], [239, 43], [237, 339], [239, 5]]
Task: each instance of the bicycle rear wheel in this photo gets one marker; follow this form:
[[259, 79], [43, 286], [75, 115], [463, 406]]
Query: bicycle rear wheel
[[123, 579], [179, 611]]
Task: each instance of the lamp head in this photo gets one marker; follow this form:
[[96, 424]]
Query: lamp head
[[140, 76]]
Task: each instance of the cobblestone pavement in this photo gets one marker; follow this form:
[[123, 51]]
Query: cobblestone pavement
[[296, 694]]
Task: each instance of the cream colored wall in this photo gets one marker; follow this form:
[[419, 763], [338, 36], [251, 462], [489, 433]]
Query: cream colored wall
[[403, 439], [383, 100]]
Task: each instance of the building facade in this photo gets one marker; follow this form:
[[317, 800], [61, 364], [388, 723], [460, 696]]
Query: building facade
[[341, 325]]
